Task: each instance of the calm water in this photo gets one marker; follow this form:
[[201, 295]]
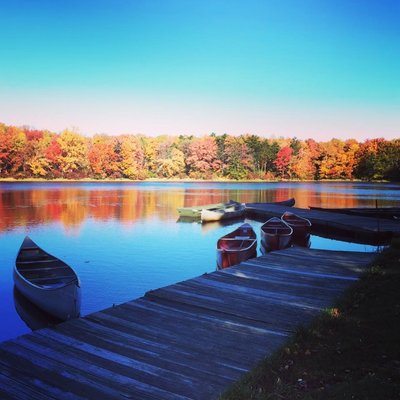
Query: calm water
[[123, 239]]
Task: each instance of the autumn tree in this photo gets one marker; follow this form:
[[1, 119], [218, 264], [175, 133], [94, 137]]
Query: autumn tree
[[378, 159], [302, 164], [238, 158], [12, 147], [170, 160], [102, 158], [202, 158], [52, 155], [337, 159], [131, 157], [73, 158], [282, 162], [35, 152]]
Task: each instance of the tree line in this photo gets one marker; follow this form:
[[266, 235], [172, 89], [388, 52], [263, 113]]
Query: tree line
[[30, 153]]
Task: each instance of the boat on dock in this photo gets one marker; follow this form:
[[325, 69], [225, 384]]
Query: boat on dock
[[372, 212], [47, 282], [276, 234], [288, 203], [233, 210], [301, 226], [236, 246], [195, 211]]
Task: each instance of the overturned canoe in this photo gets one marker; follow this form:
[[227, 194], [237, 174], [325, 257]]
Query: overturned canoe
[[236, 246], [195, 211], [275, 234], [46, 281], [233, 210]]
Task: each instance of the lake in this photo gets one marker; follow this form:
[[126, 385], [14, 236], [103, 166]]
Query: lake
[[124, 239]]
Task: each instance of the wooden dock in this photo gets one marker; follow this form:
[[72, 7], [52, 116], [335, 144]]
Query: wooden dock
[[190, 340], [349, 226]]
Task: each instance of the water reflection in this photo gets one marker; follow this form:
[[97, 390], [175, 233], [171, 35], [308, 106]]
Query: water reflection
[[73, 204], [33, 316]]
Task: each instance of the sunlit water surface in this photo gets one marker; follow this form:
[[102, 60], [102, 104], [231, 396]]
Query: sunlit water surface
[[124, 239]]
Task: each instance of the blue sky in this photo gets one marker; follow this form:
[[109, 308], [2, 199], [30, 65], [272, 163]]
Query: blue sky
[[305, 68]]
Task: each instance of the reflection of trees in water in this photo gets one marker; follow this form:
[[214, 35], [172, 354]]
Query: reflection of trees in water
[[73, 205]]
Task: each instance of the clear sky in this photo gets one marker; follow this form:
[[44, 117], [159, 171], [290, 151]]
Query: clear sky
[[304, 68]]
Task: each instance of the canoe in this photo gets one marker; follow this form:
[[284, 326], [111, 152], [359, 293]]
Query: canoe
[[47, 282], [289, 203], [236, 246], [233, 210], [301, 226], [276, 234], [372, 212], [195, 211]]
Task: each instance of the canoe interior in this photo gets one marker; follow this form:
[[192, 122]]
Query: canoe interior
[[228, 244], [295, 220], [42, 269], [245, 231], [275, 226]]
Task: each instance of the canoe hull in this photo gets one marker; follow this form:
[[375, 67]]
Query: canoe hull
[[233, 211], [63, 303], [226, 258], [276, 234], [195, 211], [236, 247], [47, 282]]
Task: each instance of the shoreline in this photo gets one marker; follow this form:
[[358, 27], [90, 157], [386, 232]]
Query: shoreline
[[187, 180]]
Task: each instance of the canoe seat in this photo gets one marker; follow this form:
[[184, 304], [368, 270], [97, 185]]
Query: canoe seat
[[24, 270], [30, 248], [45, 260], [52, 280], [242, 237]]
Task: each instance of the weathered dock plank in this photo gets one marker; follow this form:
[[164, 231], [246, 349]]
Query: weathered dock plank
[[189, 340]]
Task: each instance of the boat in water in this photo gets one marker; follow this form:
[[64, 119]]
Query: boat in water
[[47, 282], [276, 234], [195, 211], [301, 226], [233, 210], [236, 246]]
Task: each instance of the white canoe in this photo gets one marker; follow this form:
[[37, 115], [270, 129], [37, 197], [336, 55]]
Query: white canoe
[[195, 211], [234, 210], [47, 282]]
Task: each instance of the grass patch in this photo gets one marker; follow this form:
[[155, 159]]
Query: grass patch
[[352, 351]]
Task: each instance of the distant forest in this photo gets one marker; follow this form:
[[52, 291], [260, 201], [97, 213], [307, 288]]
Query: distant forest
[[28, 153]]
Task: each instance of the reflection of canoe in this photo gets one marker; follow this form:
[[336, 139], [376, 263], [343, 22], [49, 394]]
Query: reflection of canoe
[[373, 212], [237, 246], [301, 226], [33, 316], [275, 234], [233, 210], [195, 211], [46, 281]]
